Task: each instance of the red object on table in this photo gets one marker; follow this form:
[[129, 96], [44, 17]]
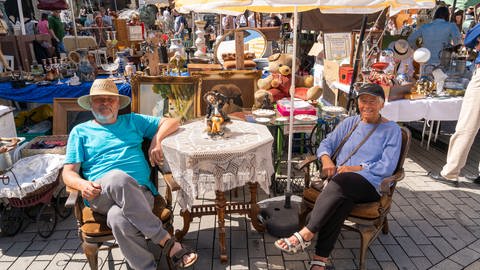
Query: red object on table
[[283, 107], [345, 74]]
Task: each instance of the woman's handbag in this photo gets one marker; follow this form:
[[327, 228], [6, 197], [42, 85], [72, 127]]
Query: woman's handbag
[[52, 4]]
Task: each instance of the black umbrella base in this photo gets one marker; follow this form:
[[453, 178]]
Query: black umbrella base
[[279, 221]]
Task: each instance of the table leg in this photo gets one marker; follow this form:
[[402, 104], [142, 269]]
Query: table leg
[[423, 130], [220, 204], [437, 131], [254, 208], [430, 134]]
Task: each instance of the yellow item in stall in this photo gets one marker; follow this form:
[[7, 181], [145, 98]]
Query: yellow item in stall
[[35, 115]]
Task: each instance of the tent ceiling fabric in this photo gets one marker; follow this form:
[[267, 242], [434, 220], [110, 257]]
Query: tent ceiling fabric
[[326, 6], [336, 23], [462, 4]]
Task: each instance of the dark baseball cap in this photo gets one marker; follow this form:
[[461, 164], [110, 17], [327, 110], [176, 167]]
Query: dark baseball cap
[[371, 89]]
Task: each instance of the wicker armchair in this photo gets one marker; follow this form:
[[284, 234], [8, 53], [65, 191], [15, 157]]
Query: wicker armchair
[[92, 227], [368, 219]]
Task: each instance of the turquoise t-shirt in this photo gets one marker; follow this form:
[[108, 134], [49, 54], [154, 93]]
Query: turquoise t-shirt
[[102, 148]]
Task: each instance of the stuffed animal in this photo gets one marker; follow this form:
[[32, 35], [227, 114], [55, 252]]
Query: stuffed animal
[[280, 79]]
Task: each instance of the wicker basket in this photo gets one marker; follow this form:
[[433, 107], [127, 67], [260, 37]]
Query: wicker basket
[[27, 151], [41, 195]]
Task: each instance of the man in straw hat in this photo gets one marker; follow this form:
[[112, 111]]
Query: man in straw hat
[[116, 183], [468, 122]]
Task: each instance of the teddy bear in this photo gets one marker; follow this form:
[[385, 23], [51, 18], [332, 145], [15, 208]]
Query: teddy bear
[[279, 81]]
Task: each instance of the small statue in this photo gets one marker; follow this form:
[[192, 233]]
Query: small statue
[[215, 117], [177, 63], [266, 102]]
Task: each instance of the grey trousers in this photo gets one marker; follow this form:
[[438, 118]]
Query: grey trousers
[[128, 207]]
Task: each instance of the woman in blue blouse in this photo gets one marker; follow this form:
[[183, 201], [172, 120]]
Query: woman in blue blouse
[[355, 176]]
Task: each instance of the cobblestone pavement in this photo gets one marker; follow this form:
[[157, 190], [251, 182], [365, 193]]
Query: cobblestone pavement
[[432, 226]]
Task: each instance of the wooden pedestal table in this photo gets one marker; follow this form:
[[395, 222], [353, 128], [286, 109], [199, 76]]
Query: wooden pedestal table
[[200, 164]]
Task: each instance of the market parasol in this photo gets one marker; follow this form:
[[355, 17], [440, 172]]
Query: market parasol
[[286, 6]]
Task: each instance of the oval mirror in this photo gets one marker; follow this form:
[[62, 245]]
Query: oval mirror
[[254, 41]]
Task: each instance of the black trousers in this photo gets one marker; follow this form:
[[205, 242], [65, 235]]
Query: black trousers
[[333, 206]]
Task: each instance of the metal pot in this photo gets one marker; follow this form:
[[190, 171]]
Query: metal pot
[[7, 145]]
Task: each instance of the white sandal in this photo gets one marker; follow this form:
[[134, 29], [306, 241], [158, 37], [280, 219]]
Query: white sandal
[[293, 248], [319, 263]]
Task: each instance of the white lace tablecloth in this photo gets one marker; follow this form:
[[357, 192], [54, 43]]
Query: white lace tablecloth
[[200, 163]]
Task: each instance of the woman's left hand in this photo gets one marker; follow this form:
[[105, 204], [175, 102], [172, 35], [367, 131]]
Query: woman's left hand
[[344, 169]]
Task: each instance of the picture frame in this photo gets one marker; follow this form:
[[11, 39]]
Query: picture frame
[[135, 33], [67, 114], [165, 96], [337, 46], [244, 80]]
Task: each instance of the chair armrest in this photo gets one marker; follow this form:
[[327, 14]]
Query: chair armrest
[[309, 159], [385, 185], [73, 195], [171, 183]]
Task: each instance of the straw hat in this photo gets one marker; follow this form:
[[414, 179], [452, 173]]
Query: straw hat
[[401, 49], [103, 87]]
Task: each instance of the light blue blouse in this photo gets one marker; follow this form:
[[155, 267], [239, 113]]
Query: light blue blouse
[[378, 155]]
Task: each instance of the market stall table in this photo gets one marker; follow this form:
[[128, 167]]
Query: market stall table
[[200, 164], [46, 94]]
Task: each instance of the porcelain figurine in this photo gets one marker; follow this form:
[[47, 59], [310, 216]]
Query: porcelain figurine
[[215, 118]]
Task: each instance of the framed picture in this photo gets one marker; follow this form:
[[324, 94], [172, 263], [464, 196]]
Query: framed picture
[[372, 46], [165, 95], [135, 33], [337, 46], [238, 86], [67, 114]]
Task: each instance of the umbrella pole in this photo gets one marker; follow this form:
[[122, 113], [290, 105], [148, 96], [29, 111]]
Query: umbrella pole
[[288, 191], [74, 24], [350, 104]]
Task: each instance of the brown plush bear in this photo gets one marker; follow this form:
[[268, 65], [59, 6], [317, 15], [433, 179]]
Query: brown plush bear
[[280, 79]]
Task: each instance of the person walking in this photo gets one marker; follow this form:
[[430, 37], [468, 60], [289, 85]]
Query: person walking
[[57, 31], [468, 122]]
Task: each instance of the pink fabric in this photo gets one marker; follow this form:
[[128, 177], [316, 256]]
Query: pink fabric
[[43, 27]]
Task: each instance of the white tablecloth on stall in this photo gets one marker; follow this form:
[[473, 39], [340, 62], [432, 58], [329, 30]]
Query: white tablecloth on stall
[[429, 108], [200, 163]]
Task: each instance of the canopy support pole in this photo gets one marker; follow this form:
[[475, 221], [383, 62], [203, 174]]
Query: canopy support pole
[[288, 191], [351, 94]]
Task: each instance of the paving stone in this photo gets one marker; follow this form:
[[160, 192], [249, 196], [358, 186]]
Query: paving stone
[[473, 266], [59, 261], [460, 231], [342, 253], [204, 259], [72, 244], [463, 219], [447, 264], [409, 247], [239, 239], [205, 239], [345, 264], [452, 197], [421, 263], [380, 253], [465, 256], [258, 264], [37, 245], [452, 237], [395, 228], [417, 235], [39, 265], [440, 211], [256, 248], [411, 212], [275, 262], [442, 245], [388, 266], [14, 251], [294, 265], [24, 261], [399, 257], [239, 259]]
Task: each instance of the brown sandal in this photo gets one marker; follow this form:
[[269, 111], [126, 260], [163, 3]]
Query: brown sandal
[[176, 260]]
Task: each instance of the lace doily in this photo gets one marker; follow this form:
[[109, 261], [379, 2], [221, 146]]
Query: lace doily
[[200, 164]]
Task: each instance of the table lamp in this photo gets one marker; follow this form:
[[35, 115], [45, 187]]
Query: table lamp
[[421, 56]]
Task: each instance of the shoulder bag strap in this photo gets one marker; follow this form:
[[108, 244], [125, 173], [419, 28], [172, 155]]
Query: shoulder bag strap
[[362, 142], [344, 140]]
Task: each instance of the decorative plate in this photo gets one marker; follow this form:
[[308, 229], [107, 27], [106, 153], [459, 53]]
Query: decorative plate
[[282, 119], [306, 117], [262, 120], [263, 113]]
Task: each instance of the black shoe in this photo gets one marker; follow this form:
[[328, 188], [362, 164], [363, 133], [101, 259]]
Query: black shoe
[[474, 178], [437, 177]]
